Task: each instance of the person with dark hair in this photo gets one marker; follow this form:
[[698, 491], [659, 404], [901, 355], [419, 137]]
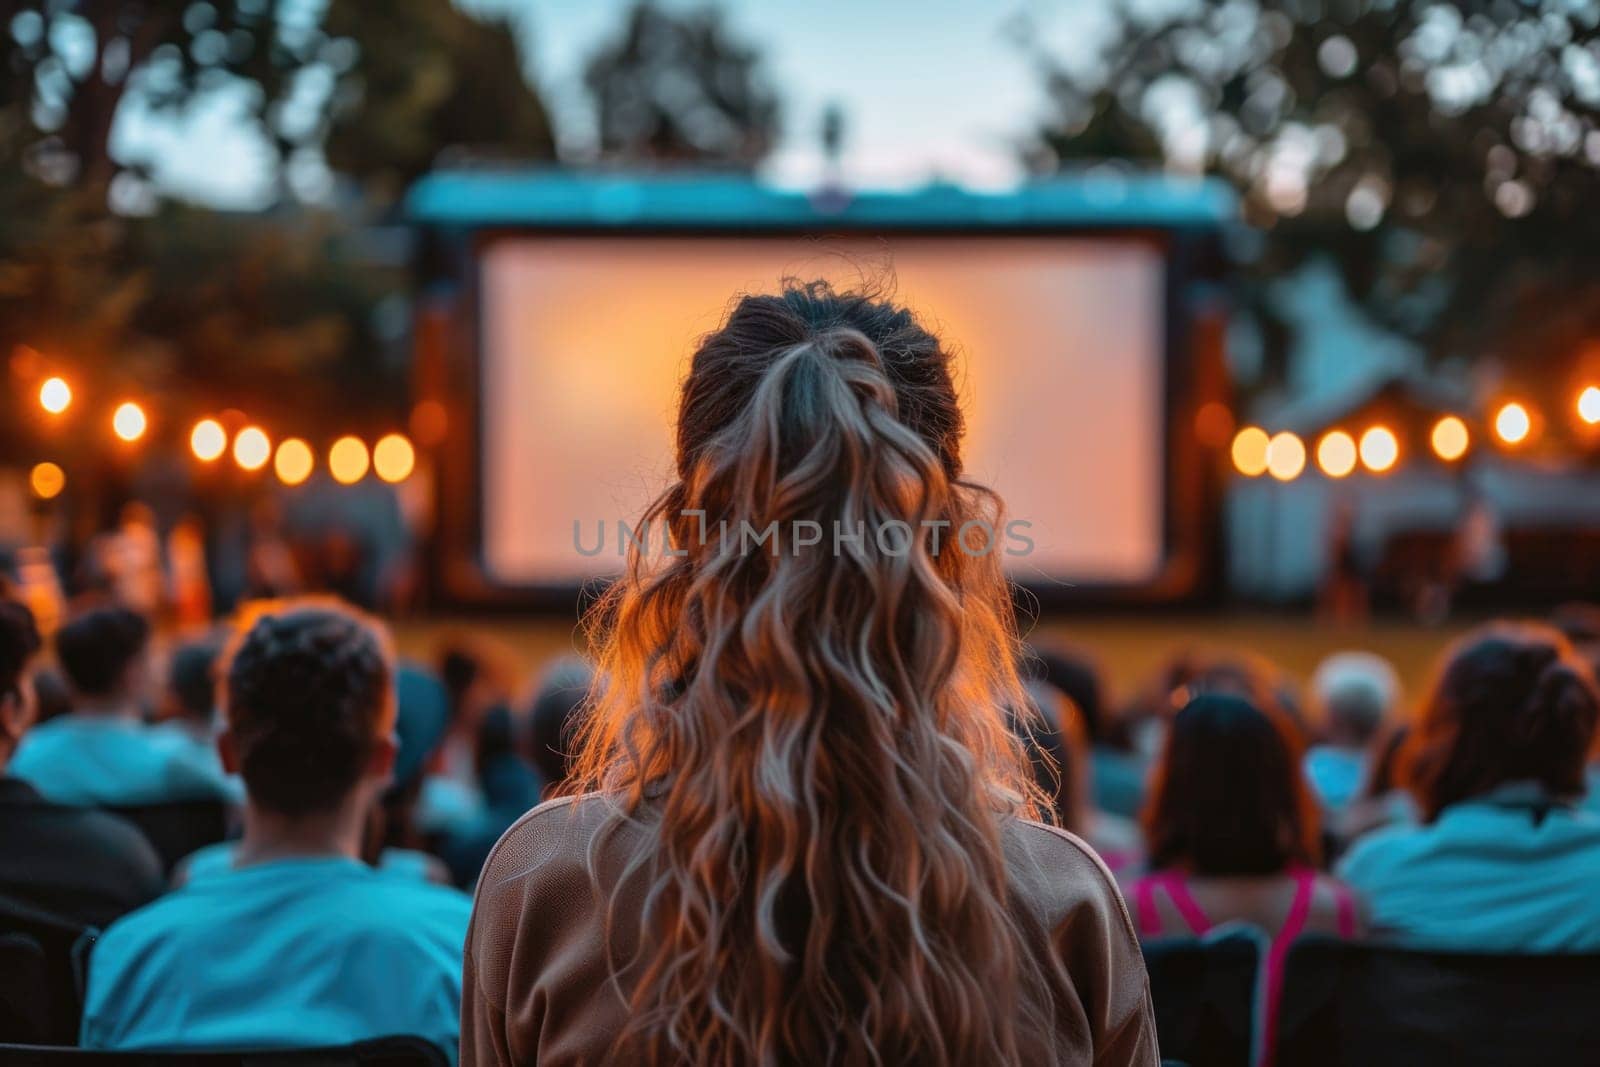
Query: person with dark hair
[[188, 716], [798, 828], [1504, 857], [1057, 744], [300, 943], [77, 865], [102, 753], [1117, 774], [553, 720], [1232, 836]]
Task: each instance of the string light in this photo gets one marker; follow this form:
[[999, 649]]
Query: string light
[[1336, 453], [47, 480], [1512, 423], [208, 440], [55, 395], [252, 448], [294, 461], [128, 421], [393, 458], [1286, 456], [1250, 451], [348, 460], [1450, 438], [1380, 449], [1589, 405]]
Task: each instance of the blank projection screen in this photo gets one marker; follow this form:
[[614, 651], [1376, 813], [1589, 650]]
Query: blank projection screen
[[1060, 356]]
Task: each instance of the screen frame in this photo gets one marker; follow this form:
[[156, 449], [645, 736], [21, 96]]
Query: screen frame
[[1188, 501]]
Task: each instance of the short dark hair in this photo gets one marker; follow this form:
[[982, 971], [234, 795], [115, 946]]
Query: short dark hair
[[308, 690], [190, 679], [96, 647], [1074, 675], [19, 643], [554, 718], [1512, 703], [1228, 796]]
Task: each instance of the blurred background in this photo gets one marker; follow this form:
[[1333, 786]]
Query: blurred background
[[230, 320]]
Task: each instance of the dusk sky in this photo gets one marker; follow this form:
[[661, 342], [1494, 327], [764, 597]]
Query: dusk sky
[[936, 88]]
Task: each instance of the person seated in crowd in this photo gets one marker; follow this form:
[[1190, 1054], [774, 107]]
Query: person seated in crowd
[[102, 753], [75, 864], [1233, 836], [187, 714], [1117, 774], [1057, 743], [391, 842], [1143, 724], [300, 942], [1356, 693], [805, 835], [1579, 623], [1504, 856], [553, 720]]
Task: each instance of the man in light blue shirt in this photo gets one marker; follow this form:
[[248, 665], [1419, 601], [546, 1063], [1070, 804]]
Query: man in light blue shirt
[[318, 950], [101, 753], [297, 943], [1509, 871], [1504, 857]]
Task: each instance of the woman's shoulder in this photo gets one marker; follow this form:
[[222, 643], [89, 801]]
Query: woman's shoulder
[[549, 841], [1060, 874]]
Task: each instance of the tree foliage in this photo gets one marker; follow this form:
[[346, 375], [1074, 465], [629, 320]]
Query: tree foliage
[[678, 88], [1443, 155], [105, 276]]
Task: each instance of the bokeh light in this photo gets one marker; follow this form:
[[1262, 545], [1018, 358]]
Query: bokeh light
[[1380, 449], [1286, 456], [1250, 451], [1589, 405], [1450, 438], [128, 421], [1512, 423], [393, 458], [208, 440], [47, 480], [294, 461], [1336, 453], [55, 395], [252, 448], [348, 460]]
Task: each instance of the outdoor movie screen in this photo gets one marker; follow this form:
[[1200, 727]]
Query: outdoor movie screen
[[1060, 355]]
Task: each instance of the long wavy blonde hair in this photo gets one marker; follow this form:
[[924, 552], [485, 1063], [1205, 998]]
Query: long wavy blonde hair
[[807, 732]]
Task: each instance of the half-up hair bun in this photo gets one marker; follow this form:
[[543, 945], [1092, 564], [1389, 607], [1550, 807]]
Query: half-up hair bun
[[1513, 703], [809, 724], [306, 690], [1563, 707]]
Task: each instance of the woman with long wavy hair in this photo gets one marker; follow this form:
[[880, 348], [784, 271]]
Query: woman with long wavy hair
[[801, 833]]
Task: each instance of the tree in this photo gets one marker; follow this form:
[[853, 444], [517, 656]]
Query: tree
[[242, 307], [70, 65], [431, 81], [1443, 154], [676, 89]]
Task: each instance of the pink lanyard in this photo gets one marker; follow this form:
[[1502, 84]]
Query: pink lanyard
[[1305, 881]]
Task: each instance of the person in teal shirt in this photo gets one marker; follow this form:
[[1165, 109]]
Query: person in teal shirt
[[297, 943], [101, 753], [1503, 857]]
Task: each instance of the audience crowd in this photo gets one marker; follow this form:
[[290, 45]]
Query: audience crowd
[[360, 798], [795, 772]]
